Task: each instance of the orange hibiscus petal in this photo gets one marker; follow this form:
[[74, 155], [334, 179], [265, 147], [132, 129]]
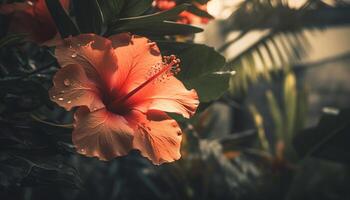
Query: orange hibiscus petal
[[73, 88], [138, 59], [169, 95], [174, 97], [157, 136], [91, 51], [136, 56], [165, 4], [101, 134]]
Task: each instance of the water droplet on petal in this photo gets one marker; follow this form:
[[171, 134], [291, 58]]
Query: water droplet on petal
[[30, 3], [174, 124], [69, 102], [74, 55], [53, 96], [66, 82], [60, 99], [81, 150]]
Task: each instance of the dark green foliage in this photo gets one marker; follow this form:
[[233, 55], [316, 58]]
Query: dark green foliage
[[32, 153], [114, 9], [201, 13], [154, 24], [11, 39], [64, 24], [320, 180], [329, 139], [88, 15], [134, 8], [157, 28]]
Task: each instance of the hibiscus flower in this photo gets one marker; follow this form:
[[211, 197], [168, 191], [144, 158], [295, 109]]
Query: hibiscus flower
[[185, 17], [32, 17], [122, 88]]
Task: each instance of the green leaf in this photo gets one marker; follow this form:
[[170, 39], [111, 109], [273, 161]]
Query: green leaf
[[290, 103], [23, 169], [63, 22], [115, 9], [210, 86], [329, 139], [276, 115], [88, 15], [135, 7], [201, 13], [160, 16], [154, 24], [198, 66], [158, 28], [196, 59], [111, 9], [19, 96], [12, 39]]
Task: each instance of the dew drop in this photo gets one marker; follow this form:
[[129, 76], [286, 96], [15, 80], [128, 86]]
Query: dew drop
[[30, 3], [174, 124], [66, 82], [60, 99], [53, 96], [69, 102], [74, 55]]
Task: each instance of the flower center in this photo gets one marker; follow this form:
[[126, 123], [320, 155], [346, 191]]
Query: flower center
[[169, 67]]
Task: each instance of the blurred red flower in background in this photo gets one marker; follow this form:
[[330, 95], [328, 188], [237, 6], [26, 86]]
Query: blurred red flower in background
[[185, 17], [123, 89], [32, 17]]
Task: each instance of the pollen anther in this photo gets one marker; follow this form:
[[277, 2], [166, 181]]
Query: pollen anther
[[169, 67]]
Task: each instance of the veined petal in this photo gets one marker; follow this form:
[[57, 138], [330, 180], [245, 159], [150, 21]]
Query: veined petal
[[137, 61], [71, 88], [170, 95], [91, 51], [136, 56], [101, 134], [157, 136]]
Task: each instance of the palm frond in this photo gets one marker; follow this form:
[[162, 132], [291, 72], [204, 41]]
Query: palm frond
[[272, 53]]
